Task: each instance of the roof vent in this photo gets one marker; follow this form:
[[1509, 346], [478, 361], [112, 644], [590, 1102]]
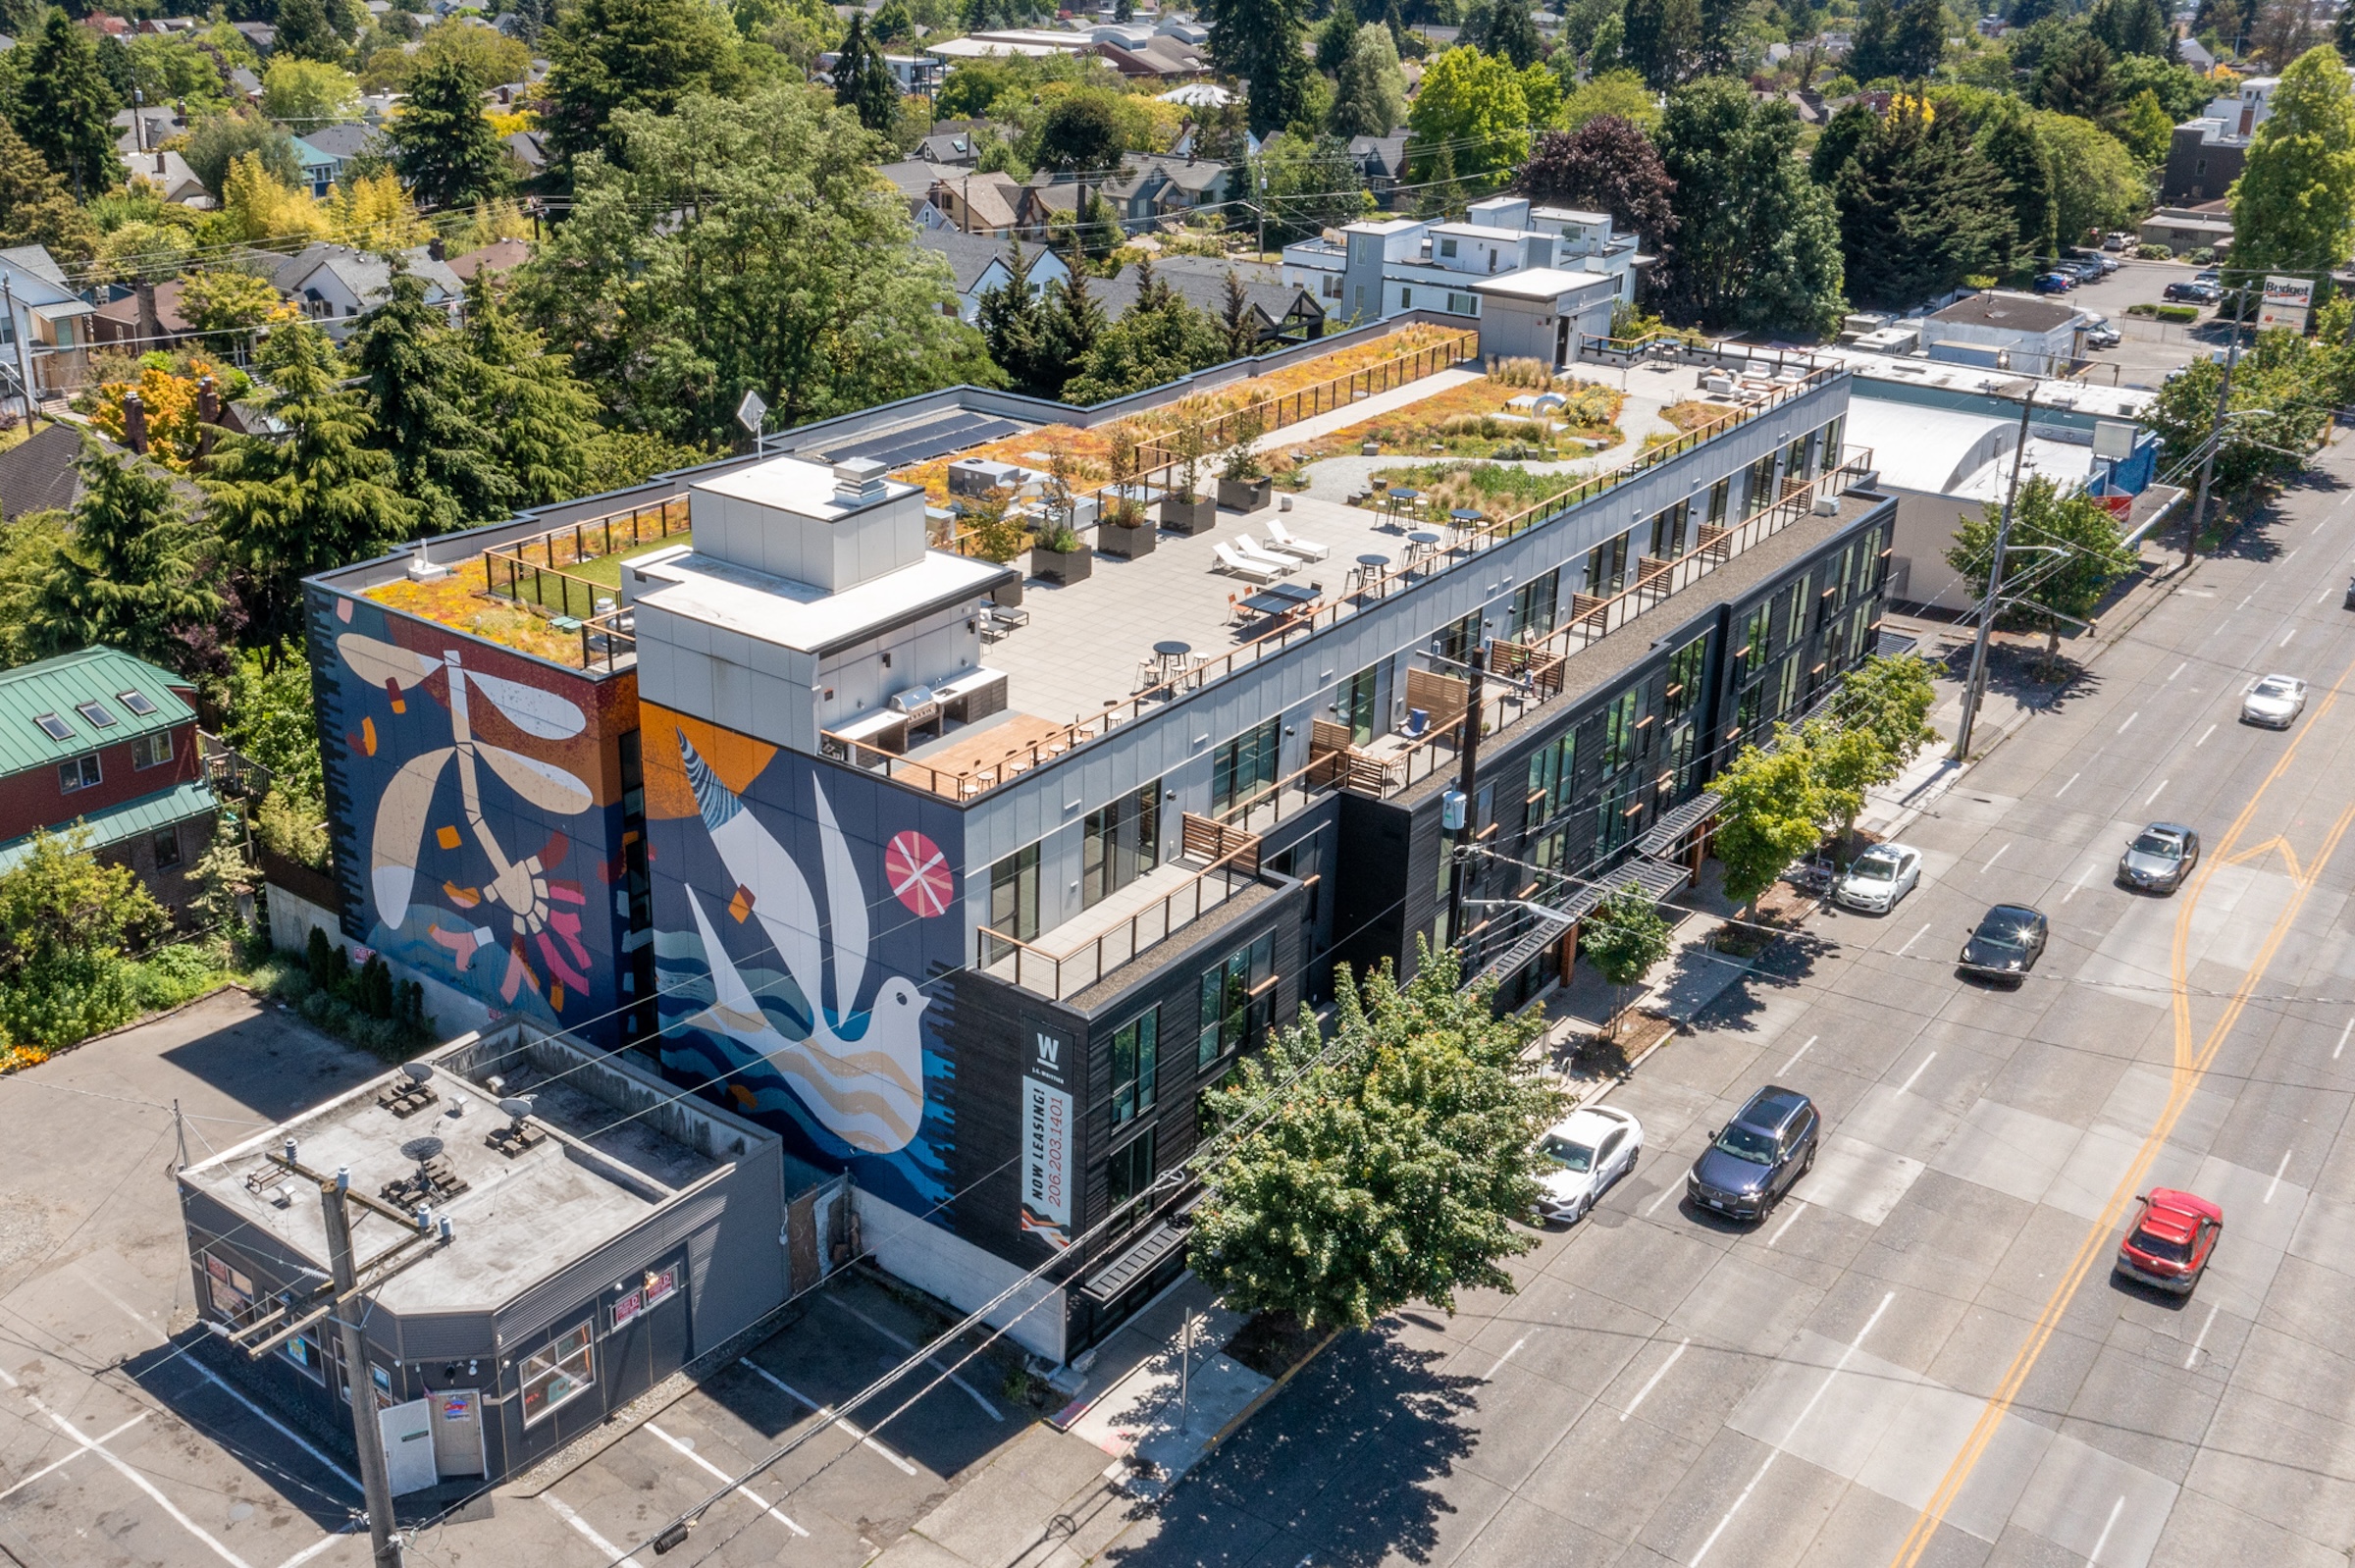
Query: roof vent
[[857, 481]]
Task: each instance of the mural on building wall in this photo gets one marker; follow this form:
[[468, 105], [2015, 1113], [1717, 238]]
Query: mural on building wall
[[800, 912], [474, 816]]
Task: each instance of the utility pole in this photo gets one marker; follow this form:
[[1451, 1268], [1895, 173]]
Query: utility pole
[[1975, 688], [366, 1434], [1467, 776], [2215, 434]]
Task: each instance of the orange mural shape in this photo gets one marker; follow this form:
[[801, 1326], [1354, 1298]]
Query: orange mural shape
[[736, 759]]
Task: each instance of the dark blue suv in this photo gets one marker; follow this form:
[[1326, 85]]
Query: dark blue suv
[[1755, 1158]]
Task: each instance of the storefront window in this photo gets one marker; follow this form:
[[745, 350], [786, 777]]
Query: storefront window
[[557, 1375]]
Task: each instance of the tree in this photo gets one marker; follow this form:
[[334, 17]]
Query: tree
[[1010, 319], [2144, 129], [1607, 165], [305, 34], [1081, 132], [1919, 39], [1872, 47], [1661, 40], [2015, 150], [228, 303], [257, 209], [2133, 27], [736, 245], [1382, 1169], [1623, 938], [1310, 186], [133, 573], [2070, 583], [1160, 339], [217, 143], [1610, 92], [2283, 392], [2096, 184], [305, 94], [1757, 243], [64, 108], [2181, 91], [1890, 699], [863, 80], [2283, 31], [419, 378], [1505, 27], [1336, 36], [534, 419], [268, 713], [2295, 198], [1920, 208], [608, 56], [1471, 107], [1259, 40], [1771, 812], [893, 24], [318, 496], [440, 144], [1849, 128], [2074, 79], [36, 207], [65, 919], [2343, 33], [1369, 95]]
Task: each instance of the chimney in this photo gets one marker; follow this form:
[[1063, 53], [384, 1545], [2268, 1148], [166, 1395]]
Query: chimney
[[135, 423], [208, 414], [432, 248], [159, 163], [857, 481]]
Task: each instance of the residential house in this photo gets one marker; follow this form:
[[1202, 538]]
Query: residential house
[[44, 337], [1279, 312], [950, 148], [335, 285], [1383, 162], [979, 203], [979, 263], [169, 174], [244, 82], [1378, 269], [501, 255], [261, 34], [2247, 108], [915, 181], [2006, 331], [146, 316], [322, 154], [2195, 54], [529, 150], [104, 743], [138, 131], [1035, 43], [38, 473], [2204, 157], [1160, 58]]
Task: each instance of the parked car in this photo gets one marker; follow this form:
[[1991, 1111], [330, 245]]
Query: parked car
[[1877, 878], [1591, 1151], [2273, 700], [1755, 1158], [2159, 856], [2118, 239], [2209, 274], [2055, 282], [2006, 944], [2194, 292], [2172, 1239], [2108, 264], [2087, 272], [2100, 333]]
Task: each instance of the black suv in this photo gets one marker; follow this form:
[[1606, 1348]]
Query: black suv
[[1752, 1160]]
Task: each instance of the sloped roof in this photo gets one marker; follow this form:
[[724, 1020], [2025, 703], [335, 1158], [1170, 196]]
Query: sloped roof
[[968, 256], [501, 255], [149, 814], [37, 475], [37, 261], [338, 141], [367, 275], [914, 178], [53, 687], [1205, 289]]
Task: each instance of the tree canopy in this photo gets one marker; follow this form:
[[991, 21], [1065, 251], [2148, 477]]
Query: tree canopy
[[1470, 108], [65, 105], [1259, 41], [2295, 202], [1607, 165], [1757, 243], [132, 573], [1920, 209], [2071, 582], [442, 146], [607, 56]]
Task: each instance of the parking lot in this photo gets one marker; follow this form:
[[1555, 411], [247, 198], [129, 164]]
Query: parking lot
[[2150, 349]]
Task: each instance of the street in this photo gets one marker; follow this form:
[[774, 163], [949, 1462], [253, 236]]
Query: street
[[1922, 1356]]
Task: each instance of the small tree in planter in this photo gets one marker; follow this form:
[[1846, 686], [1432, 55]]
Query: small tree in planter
[[991, 535], [1623, 939], [1125, 532], [1190, 511], [1242, 478]]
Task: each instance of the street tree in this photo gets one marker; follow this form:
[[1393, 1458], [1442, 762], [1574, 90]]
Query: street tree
[[610, 56], [863, 80], [133, 573], [1847, 762], [2293, 207], [1623, 938], [1757, 243], [1607, 165], [2064, 554], [65, 106], [1890, 699], [1386, 1166], [1259, 41], [1369, 96], [2283, 390], [1771, 812], [1471, 107], [65, 921], [442, 146]]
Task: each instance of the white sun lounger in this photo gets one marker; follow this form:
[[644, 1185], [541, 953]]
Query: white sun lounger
[[1250, 549], [1284, 539], [1234, 564]]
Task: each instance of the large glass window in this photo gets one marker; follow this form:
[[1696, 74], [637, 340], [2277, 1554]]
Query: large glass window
[[1750, 655], [1457, 638], [1123, 843], [1237, 1000], [1619, 730], [1354, 705], [558, 1375], [1717, 500], [1685, 667], [1135, 1060], [1794, 462], [1759, 493], [1794, 610], [1786, 684], [1606, 567], [1014, 899], [1669, 532], [1832, 434], [1244, 768], [1534, 604], [1130, 1169], [1551, 768]]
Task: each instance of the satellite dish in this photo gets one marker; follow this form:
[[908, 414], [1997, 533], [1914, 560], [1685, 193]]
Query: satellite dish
[[751, 411], [517, 1107], [421, 1149], [417, 1071]]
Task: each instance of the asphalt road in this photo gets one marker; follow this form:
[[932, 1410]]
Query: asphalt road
[[1924, 1357]]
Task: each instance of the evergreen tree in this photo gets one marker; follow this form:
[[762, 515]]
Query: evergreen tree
[[1369, 99], [2074, 78], [1872, 47], [65, 106], [2133, 27], [304, 33], [1160, 339], [863, 80], [318, 496], [2343, 33], [1921, 38], [1507, 30], [2013, 148], [133, 573], [612, 55], [2293, 207], [1259, 41], [442, 146], [1757, 241], [1071, 326], [531, 413], [1920, 209], [35, 208], [1012, 325], [419, 378], [1235, 315], [1336, 35], [1662, 39], [1848, 130]]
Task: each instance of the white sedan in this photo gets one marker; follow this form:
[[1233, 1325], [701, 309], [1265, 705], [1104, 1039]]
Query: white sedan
[[2273, 700], [1593, 1148], [1877, 878]]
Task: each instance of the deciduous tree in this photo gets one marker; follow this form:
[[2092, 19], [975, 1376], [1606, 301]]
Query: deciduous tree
[[305, 94], [1369, 95], [2295, 202], [215, 144], [65, 919], [2078, 556], [1623, 938], [1607, 165], [1471, 105], [1757, 243], [1772, 813], [304, 33]]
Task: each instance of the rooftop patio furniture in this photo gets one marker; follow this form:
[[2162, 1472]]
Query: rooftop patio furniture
[[1292, 544], [1235, 567], [1258, 554]]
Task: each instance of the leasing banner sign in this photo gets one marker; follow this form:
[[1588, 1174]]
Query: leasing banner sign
[[1047, 1146]]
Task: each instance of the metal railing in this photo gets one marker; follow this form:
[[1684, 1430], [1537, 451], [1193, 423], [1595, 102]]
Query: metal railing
[[528, 582], [1060, 974]]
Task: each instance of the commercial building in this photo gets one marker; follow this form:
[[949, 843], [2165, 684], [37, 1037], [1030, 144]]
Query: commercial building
[[970, 886], [2004, 330], [2204, 156], [1376, 270]]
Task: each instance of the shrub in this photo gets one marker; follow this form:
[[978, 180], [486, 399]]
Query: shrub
[[2146, 308], [2205, 256], [293, 828], [2154, 253], [2177, 313], [172, 975]]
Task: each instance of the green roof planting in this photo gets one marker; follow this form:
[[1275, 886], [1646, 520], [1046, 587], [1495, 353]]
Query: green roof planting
[[61, 707]]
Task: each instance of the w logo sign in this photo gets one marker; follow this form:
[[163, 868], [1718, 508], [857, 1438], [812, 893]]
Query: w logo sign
[[1050, 1050]]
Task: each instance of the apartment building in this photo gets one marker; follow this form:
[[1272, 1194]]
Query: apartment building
[[1385, 268]]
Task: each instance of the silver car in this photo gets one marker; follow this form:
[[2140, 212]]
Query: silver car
[[1877, 878], [1589, 1152], [2159, 857], [2273, 700]]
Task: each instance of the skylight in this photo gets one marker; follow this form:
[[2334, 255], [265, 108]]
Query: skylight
[[57, 729], [136, 701], [97, 712]]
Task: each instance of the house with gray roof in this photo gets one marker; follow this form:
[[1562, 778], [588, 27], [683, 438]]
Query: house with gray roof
[[337, 285], [324, 153], [1279, 312], [979, 263]]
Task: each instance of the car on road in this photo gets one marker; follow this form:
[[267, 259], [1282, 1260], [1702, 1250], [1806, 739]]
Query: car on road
[[2172, 1238], [2273, 700], [2055, 282], [1877, 878], [2194, 292], [2159, 856], [2006, 943], [1589, 1151], [1755, 1158]]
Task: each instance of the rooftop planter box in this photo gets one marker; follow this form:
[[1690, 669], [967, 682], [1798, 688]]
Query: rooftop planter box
[[1127, 536], [1245, 494], [1063, 567], [1196, 516]]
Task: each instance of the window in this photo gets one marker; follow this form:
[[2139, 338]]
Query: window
[[1014, 899], [1785, 695], [1329, 286], [1136, 1059], [1446, 247], [1794, 611], [1456, 640], [1832, 433], [99, 716], [1462, 305], [1794, 462], [78, 773], [558, 1375], [1678, 777], [1606, 567], [147, 750], [1685, 667], [1749, 655], [1758, 492], [1534, 604], [1619, 730], [303, 1352], [57, 729], [1238, 999], [1717, 497], [1354, 705], [1406, 298], [1550, 768], [1123, 843], [1669, 532], [1616, 823], [230, 1292], [1244, 768], [166, 844], [1131, 1170]]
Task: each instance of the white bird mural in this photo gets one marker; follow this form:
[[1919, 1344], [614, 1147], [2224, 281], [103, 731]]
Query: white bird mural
[[867, 1091]]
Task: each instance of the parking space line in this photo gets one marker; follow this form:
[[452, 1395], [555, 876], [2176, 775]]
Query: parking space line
[[1915, 937], [1997, 856], [277, 1425], [828, 1411], [2079, 883], [1644, 1392], [1490, 1375], [1797, 1421], [320, 1546], [1915, 1076], [2286, 636], [144, 1484], [1812, 1038], [1666, 1192], [905, 1343], [55, 1464], [588, 1532], [2276, 1182], [687, 1452], [1789, 1221], [2202, 1338]]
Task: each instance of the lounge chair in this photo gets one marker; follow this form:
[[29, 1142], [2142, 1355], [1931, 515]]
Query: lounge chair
[[1234, 565], [1251, 550], [1284, 539]]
